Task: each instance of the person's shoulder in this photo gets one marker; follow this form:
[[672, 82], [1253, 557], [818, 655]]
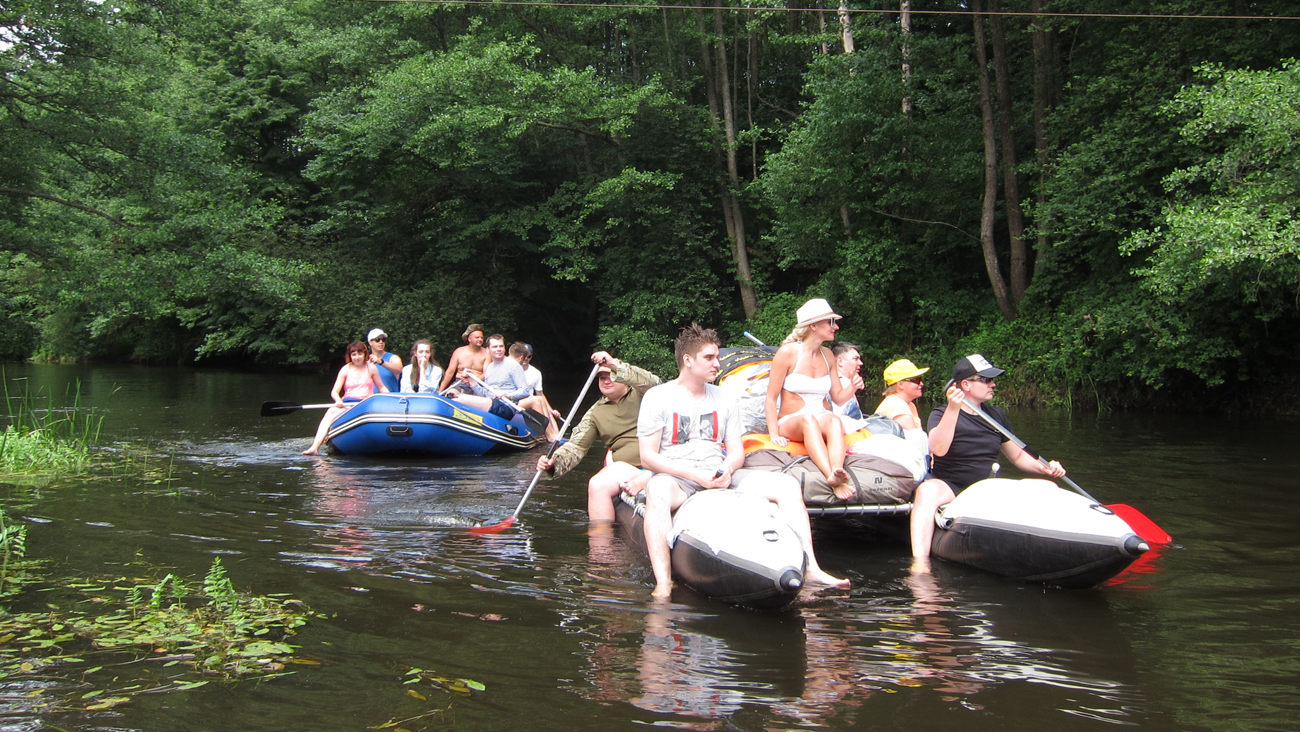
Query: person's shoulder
[[666, 390]]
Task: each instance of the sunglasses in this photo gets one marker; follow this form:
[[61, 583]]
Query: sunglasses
[[378, 340], [914, 380], [979, 379]]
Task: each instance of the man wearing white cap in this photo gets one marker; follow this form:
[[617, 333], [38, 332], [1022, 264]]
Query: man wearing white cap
[[390, 364], [964, 448]]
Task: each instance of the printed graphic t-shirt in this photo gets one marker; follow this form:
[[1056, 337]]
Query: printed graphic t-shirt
[[691, 430]]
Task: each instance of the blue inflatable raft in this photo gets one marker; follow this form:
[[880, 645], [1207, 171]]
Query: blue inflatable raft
[[424, 423]]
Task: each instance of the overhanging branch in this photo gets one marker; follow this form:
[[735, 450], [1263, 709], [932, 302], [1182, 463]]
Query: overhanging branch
[[33, 194]]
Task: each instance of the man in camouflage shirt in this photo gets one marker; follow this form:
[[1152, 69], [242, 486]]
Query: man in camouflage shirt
[[613, 419]]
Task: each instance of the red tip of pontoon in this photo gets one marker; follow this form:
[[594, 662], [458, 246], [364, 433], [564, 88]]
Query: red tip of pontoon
[[1141, 525]]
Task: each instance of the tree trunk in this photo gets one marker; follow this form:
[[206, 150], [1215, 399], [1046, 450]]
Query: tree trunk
[[846, 27], [1005, 305], [1011, 188], [821, 26], [905, 25], [717, 90], [1042, 101]]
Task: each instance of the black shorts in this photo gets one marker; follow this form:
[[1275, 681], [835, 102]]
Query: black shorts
[[502, 410]]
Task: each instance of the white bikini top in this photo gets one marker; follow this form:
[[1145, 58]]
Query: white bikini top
[[811, 389]]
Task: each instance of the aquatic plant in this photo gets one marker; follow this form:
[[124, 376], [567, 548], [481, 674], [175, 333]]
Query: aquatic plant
[[15, 568], [41, 441], [156, 635]]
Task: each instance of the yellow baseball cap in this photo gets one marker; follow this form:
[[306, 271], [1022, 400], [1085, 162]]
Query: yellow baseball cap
[[901, 369]]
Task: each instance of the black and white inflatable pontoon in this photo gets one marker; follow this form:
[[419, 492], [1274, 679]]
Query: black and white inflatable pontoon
[[1030, 531], [728, 545]]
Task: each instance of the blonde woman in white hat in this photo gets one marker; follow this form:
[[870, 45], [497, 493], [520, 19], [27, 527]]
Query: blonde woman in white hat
[[805, 377]]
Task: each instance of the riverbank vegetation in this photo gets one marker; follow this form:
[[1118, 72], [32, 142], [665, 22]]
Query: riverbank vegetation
[[1104, 204], [40, 442]]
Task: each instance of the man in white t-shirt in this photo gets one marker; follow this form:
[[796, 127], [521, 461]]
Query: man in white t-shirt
[[689, 434]]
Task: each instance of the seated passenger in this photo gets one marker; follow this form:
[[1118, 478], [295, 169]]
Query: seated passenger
[[390, 364], [804, 377], [690, 438], [356, 381], [849, 363], [471, 358], [964, 447], [903, 387], [523, 353], [613, 419], [503, 377], [423, 373]]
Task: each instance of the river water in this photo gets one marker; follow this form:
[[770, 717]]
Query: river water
[[558, 628]]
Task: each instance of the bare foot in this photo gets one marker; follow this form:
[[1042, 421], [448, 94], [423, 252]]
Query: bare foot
[[310, 451], [662, 592], [821, 578], [844, 491], [920, 565]]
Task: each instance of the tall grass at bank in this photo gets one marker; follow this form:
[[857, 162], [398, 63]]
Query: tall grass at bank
[[42, 441]]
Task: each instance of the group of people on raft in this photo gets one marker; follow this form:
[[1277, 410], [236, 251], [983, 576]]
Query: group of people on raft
[[488, 377], [672, 439]]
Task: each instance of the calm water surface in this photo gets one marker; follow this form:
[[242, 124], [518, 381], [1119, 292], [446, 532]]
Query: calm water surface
[[558, 627]]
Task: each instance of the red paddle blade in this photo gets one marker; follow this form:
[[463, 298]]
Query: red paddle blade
[[498, 528], [1141, 525]]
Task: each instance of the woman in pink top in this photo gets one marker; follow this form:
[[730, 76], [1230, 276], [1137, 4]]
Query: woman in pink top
[[356, 381]]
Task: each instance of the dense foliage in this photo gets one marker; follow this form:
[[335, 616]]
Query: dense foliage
[[1106, 204]]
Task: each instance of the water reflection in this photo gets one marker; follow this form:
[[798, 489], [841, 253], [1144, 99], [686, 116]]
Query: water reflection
[[701, 665]]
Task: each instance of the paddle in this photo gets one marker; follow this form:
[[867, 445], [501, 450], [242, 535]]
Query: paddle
[[276, 409], [497, 528], [1141, 525], [536, 422]]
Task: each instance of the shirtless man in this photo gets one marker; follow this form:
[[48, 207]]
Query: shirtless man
[[682, 430], [471, 357]]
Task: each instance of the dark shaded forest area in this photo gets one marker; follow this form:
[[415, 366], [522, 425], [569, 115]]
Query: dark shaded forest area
[[1104, 205]]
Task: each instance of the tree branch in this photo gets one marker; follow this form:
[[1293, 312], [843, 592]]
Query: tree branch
[[597, 135], [33, 194], [923, 221]]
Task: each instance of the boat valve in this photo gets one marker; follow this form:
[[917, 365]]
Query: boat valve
[[1134, 546], [790, 580]]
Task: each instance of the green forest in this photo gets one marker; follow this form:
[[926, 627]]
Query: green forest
[[1100, 197]]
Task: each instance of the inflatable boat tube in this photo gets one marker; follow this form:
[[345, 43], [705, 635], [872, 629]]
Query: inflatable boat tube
[[728, 545], [424, 423], [1026, 530]]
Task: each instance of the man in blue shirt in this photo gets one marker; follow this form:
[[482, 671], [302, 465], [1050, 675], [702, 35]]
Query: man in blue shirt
[[390, 364]]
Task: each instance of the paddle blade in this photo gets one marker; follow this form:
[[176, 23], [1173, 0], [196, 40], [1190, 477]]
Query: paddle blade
[[275, 409], [536, 421], [1141, 525], [494, 528]]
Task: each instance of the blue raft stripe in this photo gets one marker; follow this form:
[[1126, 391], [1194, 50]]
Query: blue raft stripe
[[522, 441]]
